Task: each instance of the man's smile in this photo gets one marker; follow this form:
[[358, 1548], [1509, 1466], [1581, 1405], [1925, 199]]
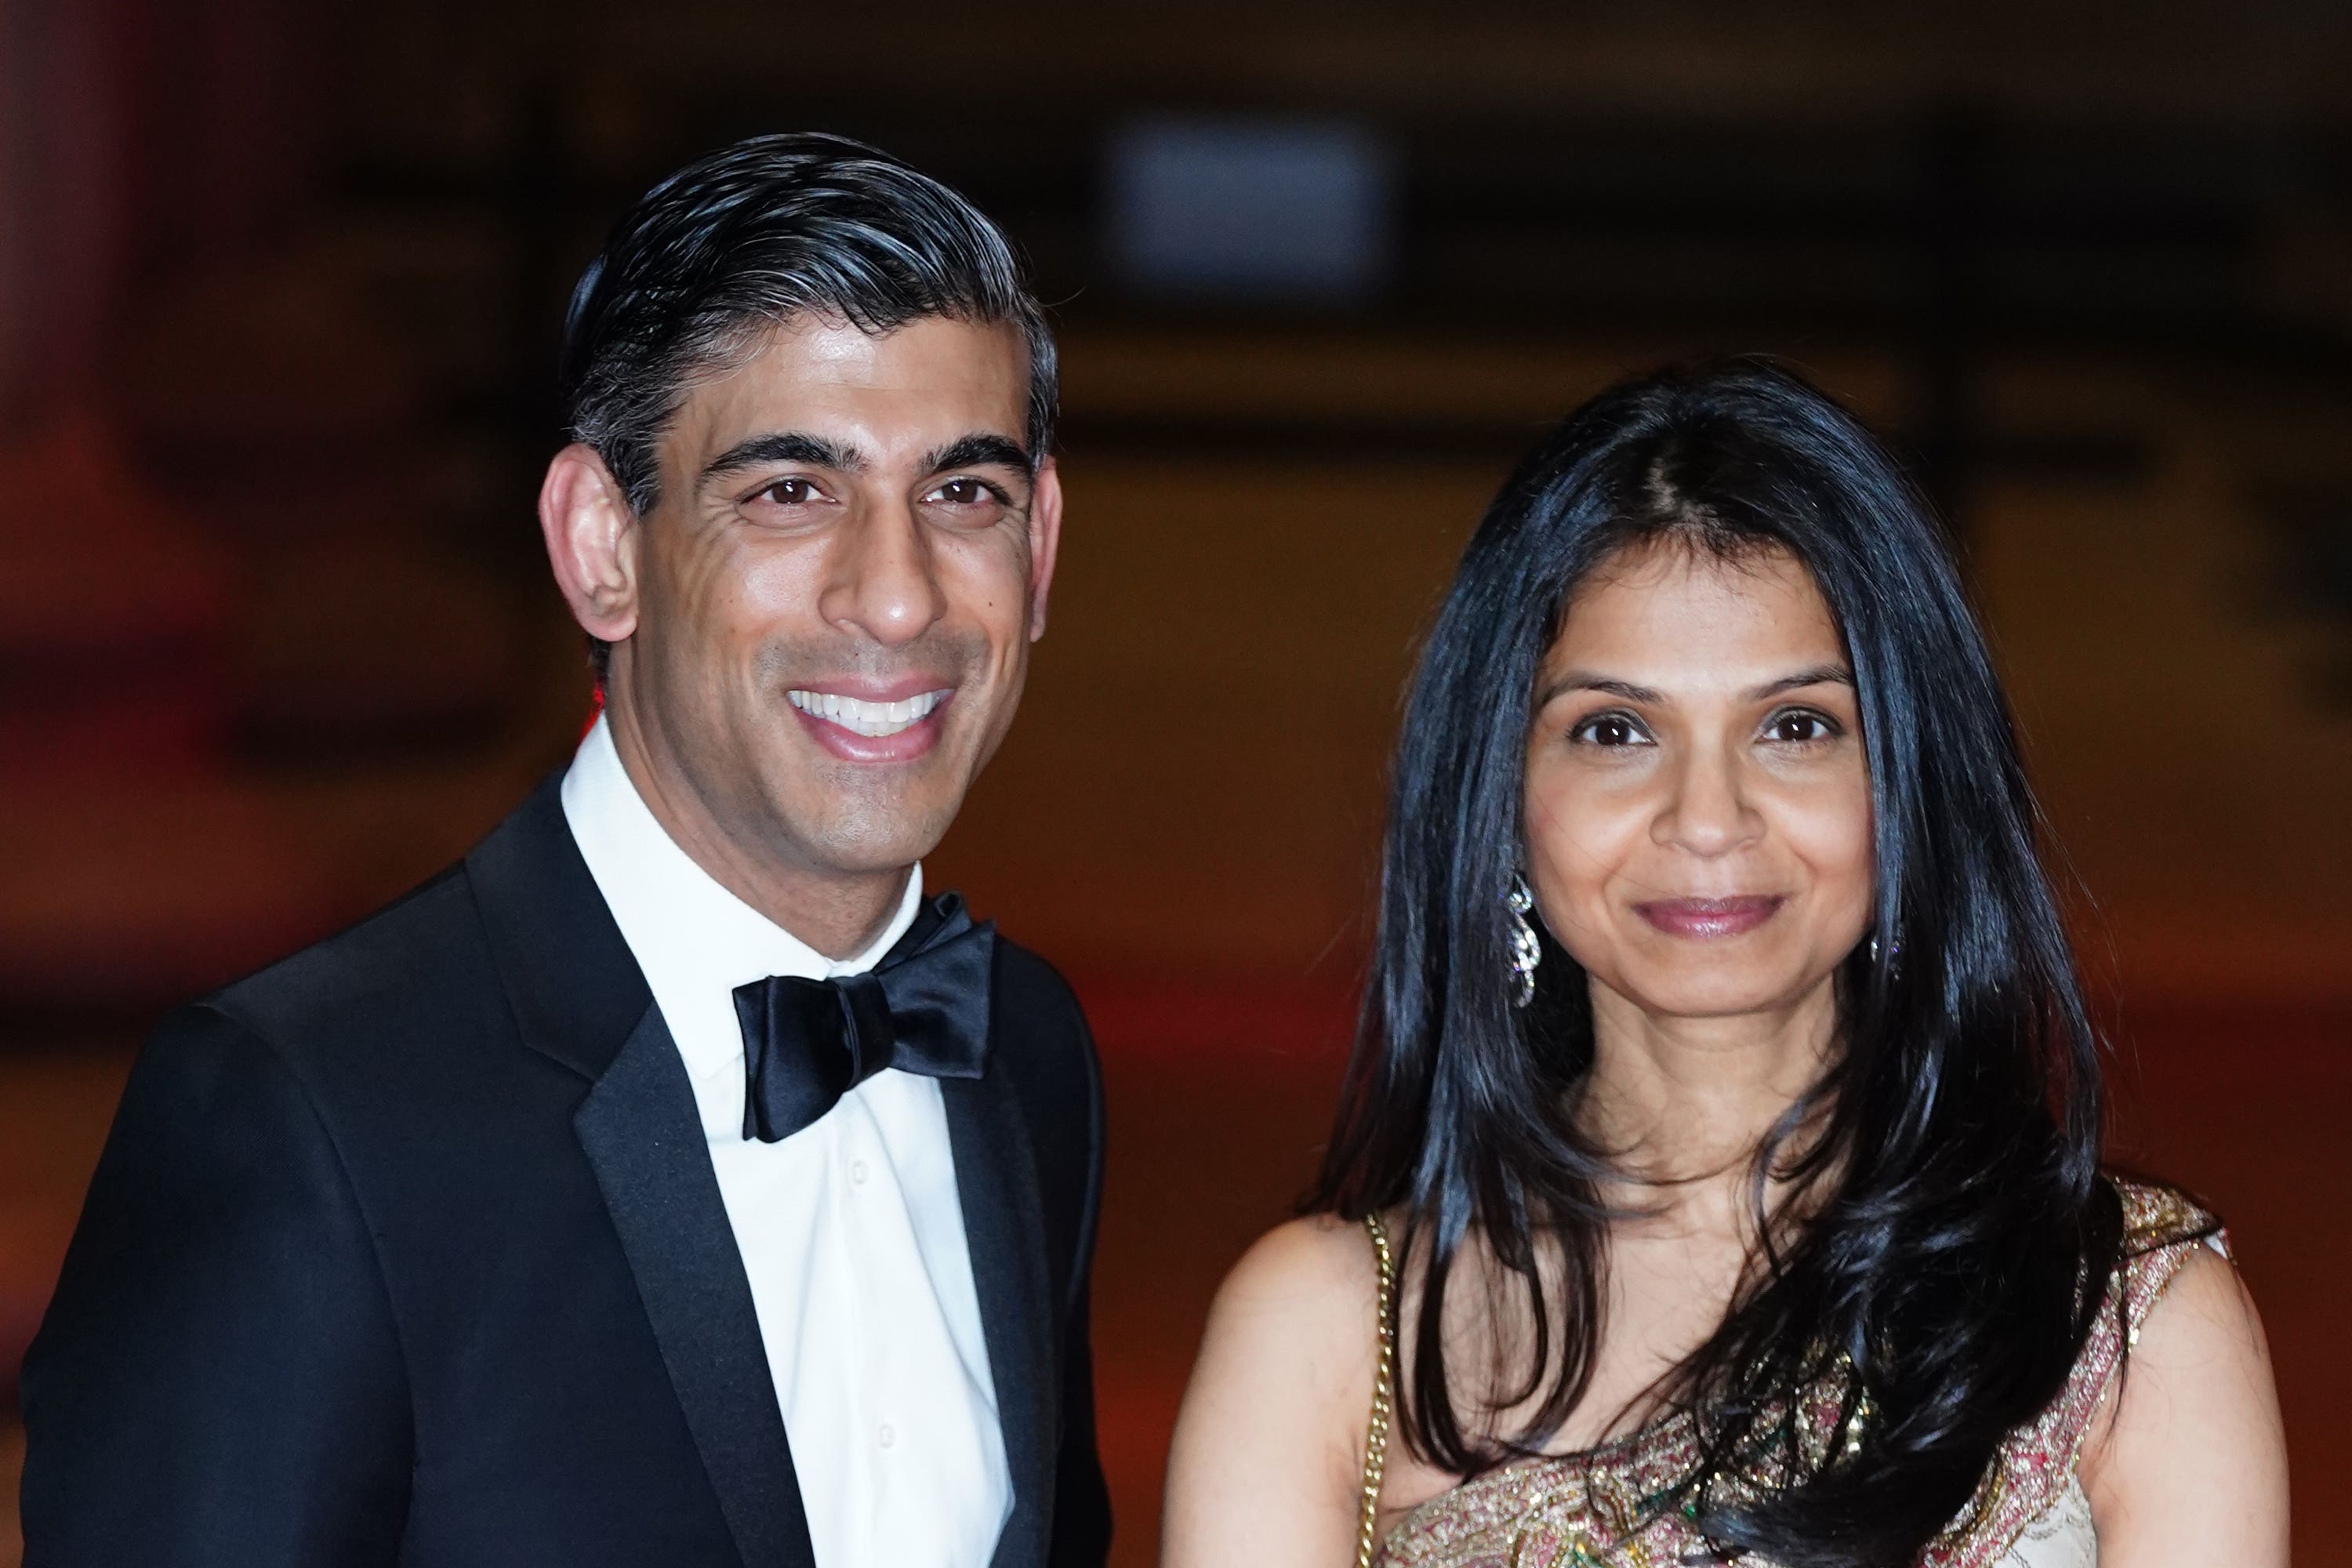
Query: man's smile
[[875, 720]]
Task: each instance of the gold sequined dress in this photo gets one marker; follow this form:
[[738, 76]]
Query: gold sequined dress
[[1597, 1509]]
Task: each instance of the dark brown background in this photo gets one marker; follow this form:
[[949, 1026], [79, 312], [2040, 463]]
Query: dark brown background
[[279, 288]]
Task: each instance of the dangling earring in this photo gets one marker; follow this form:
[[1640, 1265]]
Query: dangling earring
[[1894, 948], [1525, 952]]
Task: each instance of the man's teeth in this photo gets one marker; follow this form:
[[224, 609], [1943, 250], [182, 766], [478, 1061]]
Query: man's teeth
[[874, 720]]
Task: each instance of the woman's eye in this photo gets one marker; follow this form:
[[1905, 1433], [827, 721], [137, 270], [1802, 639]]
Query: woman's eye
[[1800, 729], [1608, 730]]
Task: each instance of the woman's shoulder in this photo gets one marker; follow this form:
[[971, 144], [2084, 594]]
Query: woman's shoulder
[[2157, 1216], [2173, 1302], [2187, 1438], [1296, 1323], [2171, 1313], [2170, 1242], [1311, 1278], [1272, 1422]]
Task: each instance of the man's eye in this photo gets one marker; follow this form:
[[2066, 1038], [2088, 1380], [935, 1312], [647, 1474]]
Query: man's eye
[[963, 492], [1608, 730], [791, 490]]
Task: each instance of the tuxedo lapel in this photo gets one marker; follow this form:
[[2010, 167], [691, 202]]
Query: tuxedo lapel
[[573, 984], [645, 1139], [578, 998], [1004, 1227]]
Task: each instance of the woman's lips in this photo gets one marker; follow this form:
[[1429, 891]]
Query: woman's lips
[[1707, 919]]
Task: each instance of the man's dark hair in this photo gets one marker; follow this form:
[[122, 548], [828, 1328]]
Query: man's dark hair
[[770, 228]]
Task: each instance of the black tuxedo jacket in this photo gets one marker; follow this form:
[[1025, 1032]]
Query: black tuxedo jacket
[[408, 1250]]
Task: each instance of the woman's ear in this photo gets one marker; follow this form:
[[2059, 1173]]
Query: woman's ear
[[592, 542]]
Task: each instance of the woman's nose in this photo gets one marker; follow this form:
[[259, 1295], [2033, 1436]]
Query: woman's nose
[[1706, 811]]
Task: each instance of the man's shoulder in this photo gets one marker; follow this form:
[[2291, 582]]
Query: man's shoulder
[[434, 964], [1040, 1043], [1040, 1033], [421, 955], [1032, 995], [1040, 1021]]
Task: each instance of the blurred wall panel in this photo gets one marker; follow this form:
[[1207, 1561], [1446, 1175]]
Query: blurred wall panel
[[66, 164], [18, 167]]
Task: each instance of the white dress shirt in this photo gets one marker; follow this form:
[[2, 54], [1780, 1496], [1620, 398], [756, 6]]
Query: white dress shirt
[[850, 1229]]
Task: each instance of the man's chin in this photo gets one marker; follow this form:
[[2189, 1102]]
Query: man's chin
[[859, 819], [877, 837]]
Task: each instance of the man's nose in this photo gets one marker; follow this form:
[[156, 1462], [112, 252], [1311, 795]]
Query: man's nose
[[882, 580]]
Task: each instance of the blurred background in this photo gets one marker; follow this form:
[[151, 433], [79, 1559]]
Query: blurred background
[[280, 291]]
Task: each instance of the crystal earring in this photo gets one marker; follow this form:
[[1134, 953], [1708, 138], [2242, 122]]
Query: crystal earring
[[1894, 948], [1525, 952]]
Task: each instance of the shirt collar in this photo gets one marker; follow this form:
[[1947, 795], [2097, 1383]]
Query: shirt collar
[[695, 940]]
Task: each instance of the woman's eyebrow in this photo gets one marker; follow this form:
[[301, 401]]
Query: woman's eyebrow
[[1819, 675], [1582, 680], [1585, 680]]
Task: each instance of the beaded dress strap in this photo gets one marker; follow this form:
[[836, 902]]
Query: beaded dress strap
[[1376, 1435]]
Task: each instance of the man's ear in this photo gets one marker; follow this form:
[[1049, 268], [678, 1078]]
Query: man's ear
[[1045, 541], [592, 542]]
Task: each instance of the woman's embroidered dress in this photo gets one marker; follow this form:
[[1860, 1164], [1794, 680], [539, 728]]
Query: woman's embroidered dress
[[1600, 1508]]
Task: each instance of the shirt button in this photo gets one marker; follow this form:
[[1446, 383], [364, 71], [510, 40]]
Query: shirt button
[[887, 1435], [857, 1174]]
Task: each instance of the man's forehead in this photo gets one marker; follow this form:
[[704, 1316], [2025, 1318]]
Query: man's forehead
[[891, 394]]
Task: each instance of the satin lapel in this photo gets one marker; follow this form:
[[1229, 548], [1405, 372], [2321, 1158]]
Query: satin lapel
[[574, 987], [645, 1139], [1005, 1226]]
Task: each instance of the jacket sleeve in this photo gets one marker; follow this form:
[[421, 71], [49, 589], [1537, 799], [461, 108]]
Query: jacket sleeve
[[1081, 1536], [218, 1379], [1081, 1497]]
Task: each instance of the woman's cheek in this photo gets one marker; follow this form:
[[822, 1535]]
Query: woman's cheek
[[1579, 846], [1834, 837]]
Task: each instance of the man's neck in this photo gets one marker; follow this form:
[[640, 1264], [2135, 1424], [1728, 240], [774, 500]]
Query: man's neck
[[837, 913]]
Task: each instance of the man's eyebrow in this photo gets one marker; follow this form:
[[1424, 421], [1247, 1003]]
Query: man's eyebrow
[[982, 448], [1819, 675], [1580, 680], [786, 446]]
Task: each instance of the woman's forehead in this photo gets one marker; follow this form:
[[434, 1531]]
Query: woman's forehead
[[1670, 605]]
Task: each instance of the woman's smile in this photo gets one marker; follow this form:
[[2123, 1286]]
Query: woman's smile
[[1708, 919]]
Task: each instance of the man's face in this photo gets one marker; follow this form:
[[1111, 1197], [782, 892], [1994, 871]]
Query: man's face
[[835, 594]]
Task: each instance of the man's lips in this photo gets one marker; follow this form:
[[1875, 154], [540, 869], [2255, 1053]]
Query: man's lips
[[873, 716], [1707, 919], [871, 722]]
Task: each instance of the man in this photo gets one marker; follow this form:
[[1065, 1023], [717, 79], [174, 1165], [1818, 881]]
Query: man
[[672, 1181]]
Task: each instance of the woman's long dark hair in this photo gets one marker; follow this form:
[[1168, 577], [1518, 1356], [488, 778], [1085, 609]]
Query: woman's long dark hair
[[1957, 1232]]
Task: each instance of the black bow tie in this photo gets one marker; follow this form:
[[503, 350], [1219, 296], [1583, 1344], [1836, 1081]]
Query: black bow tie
[[923, 1008]]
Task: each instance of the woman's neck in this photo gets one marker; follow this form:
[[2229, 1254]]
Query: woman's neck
[[1686, 1101]]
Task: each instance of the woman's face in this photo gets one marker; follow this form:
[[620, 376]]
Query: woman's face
[[1698, 830]]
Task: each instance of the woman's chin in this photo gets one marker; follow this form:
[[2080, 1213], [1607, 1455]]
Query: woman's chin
[[1693, 991]]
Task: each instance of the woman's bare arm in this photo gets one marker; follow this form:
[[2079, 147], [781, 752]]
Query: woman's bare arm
[[2190, 1465], [1268, 1451]]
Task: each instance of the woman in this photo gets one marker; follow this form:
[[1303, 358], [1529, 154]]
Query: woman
[[1717, 1170]]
